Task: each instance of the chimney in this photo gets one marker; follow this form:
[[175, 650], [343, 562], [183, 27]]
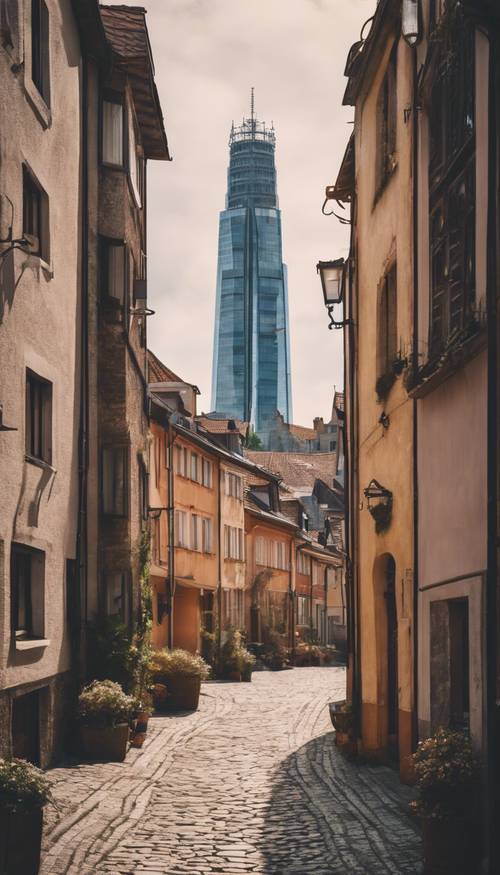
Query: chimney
[[318, 424]]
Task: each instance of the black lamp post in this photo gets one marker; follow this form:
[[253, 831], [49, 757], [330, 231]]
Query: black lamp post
[[332, 275]]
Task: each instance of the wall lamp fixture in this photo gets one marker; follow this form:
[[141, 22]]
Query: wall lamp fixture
[[379, 505], [155, 512], [333, 277]]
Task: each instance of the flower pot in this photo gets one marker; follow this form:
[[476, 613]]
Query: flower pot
[[142, 722], [108, 743], [341, 720], [234, 676], [20, 841], [450, 846], [183, 692], [246, 674], [138, 739]]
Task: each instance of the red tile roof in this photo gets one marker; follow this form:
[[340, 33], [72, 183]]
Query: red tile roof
[[303, 432], [220, 426], [159, 373], [298, 470]]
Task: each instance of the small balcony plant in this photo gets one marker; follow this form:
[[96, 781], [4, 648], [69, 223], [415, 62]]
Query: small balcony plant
[[181, 673], [24, 791], [104, 712], [447, 781]]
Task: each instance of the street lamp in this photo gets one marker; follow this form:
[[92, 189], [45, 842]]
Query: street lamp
[[410, 22], [379, 501], [332, 275]]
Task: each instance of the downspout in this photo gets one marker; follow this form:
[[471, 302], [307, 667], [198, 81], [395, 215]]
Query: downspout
[[415, 341], [291, 602], [492, 708], [81, 538], [171, 536], [219, 566], [324, 642]]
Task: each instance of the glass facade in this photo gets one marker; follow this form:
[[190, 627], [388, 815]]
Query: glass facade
[[251, 364]]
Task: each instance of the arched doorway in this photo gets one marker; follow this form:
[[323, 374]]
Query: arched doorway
[[392, 657]]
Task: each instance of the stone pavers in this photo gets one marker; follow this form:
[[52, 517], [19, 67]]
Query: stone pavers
[[251, 783]]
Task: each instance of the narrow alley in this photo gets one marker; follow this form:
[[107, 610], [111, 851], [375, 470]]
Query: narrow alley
[[252, 782]]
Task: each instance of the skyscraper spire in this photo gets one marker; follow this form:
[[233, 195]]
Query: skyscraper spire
[[252, 108]]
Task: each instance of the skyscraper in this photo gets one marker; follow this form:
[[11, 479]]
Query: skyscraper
[[251, 364]]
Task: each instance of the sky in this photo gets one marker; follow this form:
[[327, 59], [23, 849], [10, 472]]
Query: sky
[[207, 55]]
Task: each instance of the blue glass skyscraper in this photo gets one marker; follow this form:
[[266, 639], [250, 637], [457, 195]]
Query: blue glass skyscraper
[[251, 364]]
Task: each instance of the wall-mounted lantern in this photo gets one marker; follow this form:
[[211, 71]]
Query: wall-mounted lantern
[[379, 505], [410, 22], [333, 276]]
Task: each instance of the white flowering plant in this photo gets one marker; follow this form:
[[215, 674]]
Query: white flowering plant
[[447, 774], [23, 786], [104, 704], [165, 663]]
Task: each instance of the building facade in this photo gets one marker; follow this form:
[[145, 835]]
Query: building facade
[[251, 361], [40, 354]]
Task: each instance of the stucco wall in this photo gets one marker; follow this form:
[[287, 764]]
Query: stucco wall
[[39, 329]]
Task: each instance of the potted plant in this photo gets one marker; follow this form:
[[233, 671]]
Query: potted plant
[[104, 711], [275, 652], [181, 673], [447, 781], [24, 790], [232, 656], [247, 664]]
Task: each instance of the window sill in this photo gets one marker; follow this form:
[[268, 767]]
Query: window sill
[[434, 374], [39, 463], [37, 103], [32, 643]]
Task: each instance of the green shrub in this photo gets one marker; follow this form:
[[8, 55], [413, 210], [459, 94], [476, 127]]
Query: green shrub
[[104, 704], [165, 663], [447, 775], [22, 786]]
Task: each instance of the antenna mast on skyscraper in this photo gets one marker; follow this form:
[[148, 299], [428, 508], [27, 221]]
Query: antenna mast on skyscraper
[[252, 109]]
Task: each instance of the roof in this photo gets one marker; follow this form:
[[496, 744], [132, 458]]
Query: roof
[[364, 54], [257, 508], [127, 33], [298, 470], [160, 372], [221, 426], [303, 432]]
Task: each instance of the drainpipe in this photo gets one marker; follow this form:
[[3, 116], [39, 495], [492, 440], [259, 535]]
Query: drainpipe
[[492, 655], [325, 583], [81, 538], [219, 566], [415, 153], [291, 604], [171, 535]]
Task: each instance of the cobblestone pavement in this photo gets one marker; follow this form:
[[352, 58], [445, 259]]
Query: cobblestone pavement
[[251, 783]]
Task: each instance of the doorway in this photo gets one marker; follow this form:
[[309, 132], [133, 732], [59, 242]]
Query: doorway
[[26, 727], [392, 659]]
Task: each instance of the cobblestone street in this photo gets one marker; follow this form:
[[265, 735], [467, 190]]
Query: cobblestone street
[[252, 782]]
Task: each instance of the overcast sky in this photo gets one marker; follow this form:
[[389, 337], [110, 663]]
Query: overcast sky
[[208, 54]]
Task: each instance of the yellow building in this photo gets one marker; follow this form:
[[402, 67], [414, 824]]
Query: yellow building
[[375, 177]]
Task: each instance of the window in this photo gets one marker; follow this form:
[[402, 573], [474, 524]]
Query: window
[[113, 132], [279, 555], [194, 466], [27, 592], [181, 529], [40, 68], [117, 591], [303, 563], [206, 528], [303, 610], [114, 481], [38, 418], [234, 485], [113, 271], [35, 215], [386, 125], [387, 324], [232, 608], [182, 462], [233, 543], [452, 189], [207, 473], [195, 532], [261, 551]]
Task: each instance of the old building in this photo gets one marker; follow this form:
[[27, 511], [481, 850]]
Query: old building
[[124, 130], [40, 133], [323, 437], [375, 179]]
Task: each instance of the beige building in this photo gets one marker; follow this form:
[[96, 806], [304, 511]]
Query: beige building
[[375, 178], [40, 131]]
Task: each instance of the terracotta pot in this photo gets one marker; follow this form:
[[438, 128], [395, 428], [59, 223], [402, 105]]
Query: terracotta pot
[[142, 722], [234, 675], [109, 743], [450, 847], [20, 841], [183, 692], [341, 720], [138, 739], [246, 674]]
